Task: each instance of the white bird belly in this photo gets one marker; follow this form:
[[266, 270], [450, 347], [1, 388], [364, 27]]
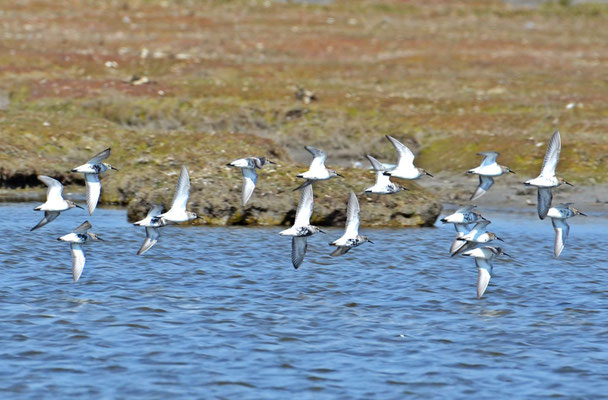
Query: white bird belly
[[406, 173], [543, 181], [488, 170], [54, 206]]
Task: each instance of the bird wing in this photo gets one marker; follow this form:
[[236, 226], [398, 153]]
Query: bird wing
[[462, 246], [483, 275], [93, 191], [479, 227], [339, 251], [55, 188], [462, 229], [304, 210], [48, 217], [182, 191], [100, 157], [465, 209], [381, 179], [250, 178], [78, 260], [299, 244], [155, 211], [82, 228], [406, 157], [457, 244], [152, 235], [352, 216], [319, 157], [307, 182], [376, 165], [485, 183], [489, 157], [545, 195], [552, 155], [562, 229]]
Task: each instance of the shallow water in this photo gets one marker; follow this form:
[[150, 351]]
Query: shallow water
[[220, 313]]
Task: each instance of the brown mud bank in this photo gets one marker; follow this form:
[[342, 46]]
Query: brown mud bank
[[148, 176]]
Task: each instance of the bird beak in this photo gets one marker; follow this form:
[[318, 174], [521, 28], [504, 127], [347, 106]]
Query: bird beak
[[370, 241], [341, 176], [580, 213], [568, 183], [497, 238], [98, 238], [271, 162], [76, 205], [228, 165], [508, 255], [513, 172], [322, 231], [114, 168], [429, 174], [386, 173]]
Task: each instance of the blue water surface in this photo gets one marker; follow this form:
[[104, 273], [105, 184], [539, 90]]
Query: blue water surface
[[221, 313]]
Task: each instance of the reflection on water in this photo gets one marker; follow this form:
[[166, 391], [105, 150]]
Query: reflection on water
[[220, 312]]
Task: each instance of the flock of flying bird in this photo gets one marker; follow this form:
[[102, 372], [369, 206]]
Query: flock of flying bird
[[470, 241]]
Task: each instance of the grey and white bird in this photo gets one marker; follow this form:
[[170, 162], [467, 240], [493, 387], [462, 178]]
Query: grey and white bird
[[383, 184], [351, 237], [464, 215], [547, 180], [559, 214], [152, 222], [483, 260], [250, 177], [91, 170], [55, 203], [301, 228], [317, 170], [405, 168], [76, 239], [488, 169], [178, 213], [477, 235]]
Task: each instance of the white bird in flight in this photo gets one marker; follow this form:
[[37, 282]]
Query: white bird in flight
[[488, 169], [559, 214], [250, 177], [152, 222], [301, 228], [55, 203], [76, 239], [383, 184], [405, 168], [351, 237], [177, 213], [464, 215], [91, 171], [547, 179], [317, 170], [483, 260]]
